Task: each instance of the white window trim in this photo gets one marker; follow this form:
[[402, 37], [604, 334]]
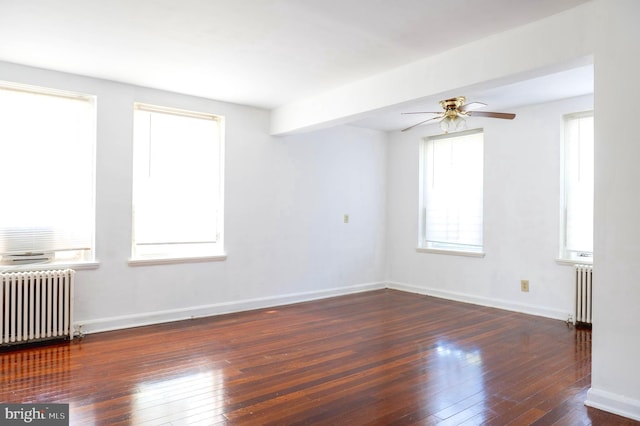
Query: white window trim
[[451, 252], [215, 255], [87, 260], [426, 247], [565, 257], [88, 265], [574, 262], [175, 260]]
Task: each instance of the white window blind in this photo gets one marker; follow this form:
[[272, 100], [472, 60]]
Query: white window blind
[[47, 145], [452, 191], [178, 166], [578, 185]]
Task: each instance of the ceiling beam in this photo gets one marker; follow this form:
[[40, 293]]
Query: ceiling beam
[[552, 44]]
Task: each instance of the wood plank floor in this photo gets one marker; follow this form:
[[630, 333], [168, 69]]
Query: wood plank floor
[[379, 358]]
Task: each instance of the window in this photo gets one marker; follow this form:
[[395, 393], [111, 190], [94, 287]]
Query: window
[[577, 188], [451, 186], [47, 147], [177, 183]]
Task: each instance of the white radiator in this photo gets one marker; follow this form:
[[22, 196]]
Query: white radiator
[[36, 305], [584, 295]]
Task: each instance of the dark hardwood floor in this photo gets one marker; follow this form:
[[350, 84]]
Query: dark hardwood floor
[[382, 357]]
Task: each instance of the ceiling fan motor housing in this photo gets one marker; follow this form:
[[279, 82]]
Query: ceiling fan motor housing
[[451, 106]]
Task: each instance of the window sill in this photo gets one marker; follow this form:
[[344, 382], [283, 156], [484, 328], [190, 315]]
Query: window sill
[[450, 252], [172, 260], [574, 262], [51, 265]]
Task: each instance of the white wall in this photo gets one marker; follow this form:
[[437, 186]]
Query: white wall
[[285, 201], [616, 315], [521, 216]]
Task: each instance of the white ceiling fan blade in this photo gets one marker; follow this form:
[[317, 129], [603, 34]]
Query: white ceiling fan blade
[[422, 112], [422, 122], [472, 106]]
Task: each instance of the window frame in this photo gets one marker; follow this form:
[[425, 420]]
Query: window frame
[[443, 247], [79, 258], [567, 255], [187, 251]]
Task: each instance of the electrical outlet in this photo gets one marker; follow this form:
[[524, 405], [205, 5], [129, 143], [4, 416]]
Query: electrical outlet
[[346, 218], [524, 285]]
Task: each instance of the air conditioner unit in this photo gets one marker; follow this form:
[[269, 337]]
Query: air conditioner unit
[[26, 258], [24, 245]]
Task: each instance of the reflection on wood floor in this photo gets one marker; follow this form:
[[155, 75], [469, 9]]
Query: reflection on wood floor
[[382, 357]]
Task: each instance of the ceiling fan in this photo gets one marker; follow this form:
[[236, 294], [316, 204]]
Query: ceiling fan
[[455, 110]]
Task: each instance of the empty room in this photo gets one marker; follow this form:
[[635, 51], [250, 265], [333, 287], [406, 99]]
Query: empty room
[[303, 212]]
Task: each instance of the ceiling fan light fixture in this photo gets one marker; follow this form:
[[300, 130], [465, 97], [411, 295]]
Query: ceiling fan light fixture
[[453, 124]]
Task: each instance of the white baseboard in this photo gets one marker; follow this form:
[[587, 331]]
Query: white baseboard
[[149, 318], [613, 403], [157, 317], [483, 301]]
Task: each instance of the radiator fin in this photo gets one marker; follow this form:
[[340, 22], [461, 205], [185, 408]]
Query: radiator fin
[[584, 295], [36, 305]]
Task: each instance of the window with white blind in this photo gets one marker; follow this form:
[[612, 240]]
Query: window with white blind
[[177, 183], [577, 189], [47, 147], [451, 192]]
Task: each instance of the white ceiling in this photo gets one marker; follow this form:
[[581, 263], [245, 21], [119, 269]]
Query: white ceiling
[[265, 53]]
